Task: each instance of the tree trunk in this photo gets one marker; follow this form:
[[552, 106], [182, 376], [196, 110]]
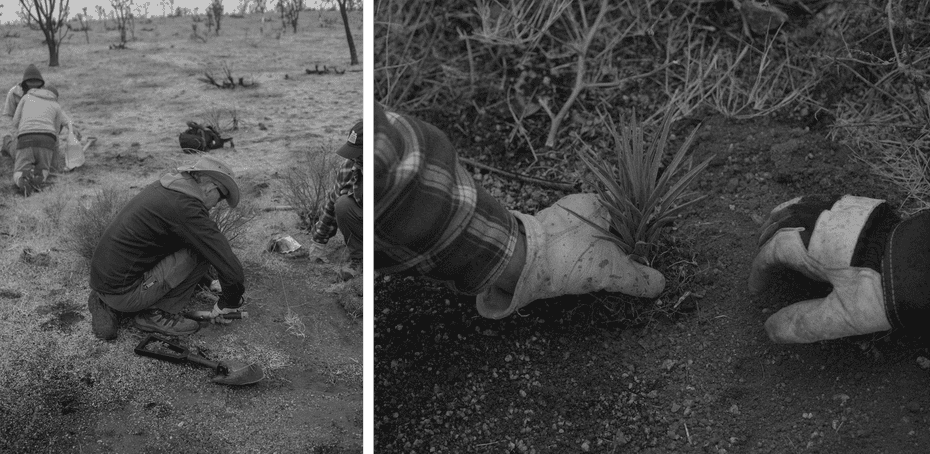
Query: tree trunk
[[52, 52], [345, 22]]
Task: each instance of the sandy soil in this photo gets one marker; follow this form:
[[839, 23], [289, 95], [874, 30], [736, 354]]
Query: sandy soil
[[135, 102], [566, 376]]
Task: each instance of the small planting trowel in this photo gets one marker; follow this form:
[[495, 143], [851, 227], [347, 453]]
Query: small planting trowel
[[233, 373]]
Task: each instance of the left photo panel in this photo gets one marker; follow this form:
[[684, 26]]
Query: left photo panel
[[181, 226]]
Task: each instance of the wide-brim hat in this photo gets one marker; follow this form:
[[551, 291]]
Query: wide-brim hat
[[352, 149], [219, 171]]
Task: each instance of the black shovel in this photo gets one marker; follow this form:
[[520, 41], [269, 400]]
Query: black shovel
[[233, 373]]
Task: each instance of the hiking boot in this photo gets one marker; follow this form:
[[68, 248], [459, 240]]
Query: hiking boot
[[159, 321], [28, 183], [350, 271], [104, 320]]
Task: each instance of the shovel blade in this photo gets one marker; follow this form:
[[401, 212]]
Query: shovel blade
[[240, 374]]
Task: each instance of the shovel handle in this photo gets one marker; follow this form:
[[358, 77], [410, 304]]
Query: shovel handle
[[205, 315], [197, 359]]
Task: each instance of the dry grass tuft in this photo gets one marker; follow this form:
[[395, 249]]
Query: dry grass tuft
[[87, 224]]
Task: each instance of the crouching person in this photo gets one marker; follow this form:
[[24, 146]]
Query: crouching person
[[877, 263], [343, 208], [159, 246]]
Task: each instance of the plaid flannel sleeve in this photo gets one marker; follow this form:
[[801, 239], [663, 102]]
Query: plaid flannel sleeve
[[325, 228], [430, 217]]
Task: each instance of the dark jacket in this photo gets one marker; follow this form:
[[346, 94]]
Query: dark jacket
[[153, 225]]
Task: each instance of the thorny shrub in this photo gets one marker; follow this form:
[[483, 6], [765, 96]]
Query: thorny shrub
[[309, 182], [89, 221], [233, 222]]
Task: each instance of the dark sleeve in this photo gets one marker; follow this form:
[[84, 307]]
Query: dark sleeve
[[203, 236]]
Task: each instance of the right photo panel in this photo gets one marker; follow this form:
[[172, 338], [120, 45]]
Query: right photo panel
[[659, 226]]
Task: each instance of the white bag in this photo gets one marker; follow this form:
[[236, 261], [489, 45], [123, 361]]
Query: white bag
[[74, 152]]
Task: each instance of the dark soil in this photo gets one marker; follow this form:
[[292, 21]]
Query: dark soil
[[568, 375]]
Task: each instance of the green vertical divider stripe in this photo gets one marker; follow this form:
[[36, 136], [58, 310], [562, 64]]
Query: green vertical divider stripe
[[368, 226]]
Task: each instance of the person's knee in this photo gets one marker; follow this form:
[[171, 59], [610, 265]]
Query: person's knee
[[348, 211]]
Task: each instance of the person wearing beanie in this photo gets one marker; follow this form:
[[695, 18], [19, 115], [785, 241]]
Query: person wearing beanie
[[876, 262], [36, 124], [343, 208], [156, 250], [32, 78], [432, 219]]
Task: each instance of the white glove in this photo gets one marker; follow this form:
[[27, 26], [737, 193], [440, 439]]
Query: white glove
[[856, 304], [316, 251], [564, 256], [216, 315]]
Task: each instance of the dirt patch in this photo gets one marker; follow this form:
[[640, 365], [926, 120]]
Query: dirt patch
[[562, 377]]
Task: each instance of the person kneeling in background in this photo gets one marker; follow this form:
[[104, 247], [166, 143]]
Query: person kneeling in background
[[156, 250], [36, 123]]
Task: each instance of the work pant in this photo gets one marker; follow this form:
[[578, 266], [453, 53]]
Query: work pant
[[349, 219], [7, 145], [34, 152], [168, 286]]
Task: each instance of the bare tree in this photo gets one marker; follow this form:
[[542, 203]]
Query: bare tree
[[215, 9], [122, 15], [344, 7], [290, 12], [84, 19], [51, 17]]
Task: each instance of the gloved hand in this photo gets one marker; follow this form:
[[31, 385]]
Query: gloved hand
[[216, 315], [316, 251], [822, 237], [565, 256]]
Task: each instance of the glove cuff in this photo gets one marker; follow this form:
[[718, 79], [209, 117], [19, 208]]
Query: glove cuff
[[839, 230], [905, 266], [496, 304]]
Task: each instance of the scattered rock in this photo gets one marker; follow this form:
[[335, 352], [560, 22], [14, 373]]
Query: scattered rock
[[32, 257], [923, 362], [10, 294]]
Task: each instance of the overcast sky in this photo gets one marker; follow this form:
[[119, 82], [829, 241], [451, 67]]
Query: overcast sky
[[8, 8]]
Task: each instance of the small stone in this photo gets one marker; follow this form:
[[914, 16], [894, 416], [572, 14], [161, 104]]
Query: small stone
[[923, 362], [912, 407], [734, 409], [586, 446], [807, 415]]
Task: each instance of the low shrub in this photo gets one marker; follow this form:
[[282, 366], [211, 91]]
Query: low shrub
[[89, 221], [309, 182]]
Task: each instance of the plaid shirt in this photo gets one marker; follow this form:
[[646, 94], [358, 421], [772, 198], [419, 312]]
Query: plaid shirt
[[430, 217], [348, 181]]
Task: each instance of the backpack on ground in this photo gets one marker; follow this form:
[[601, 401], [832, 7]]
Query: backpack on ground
[[197, 138]]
